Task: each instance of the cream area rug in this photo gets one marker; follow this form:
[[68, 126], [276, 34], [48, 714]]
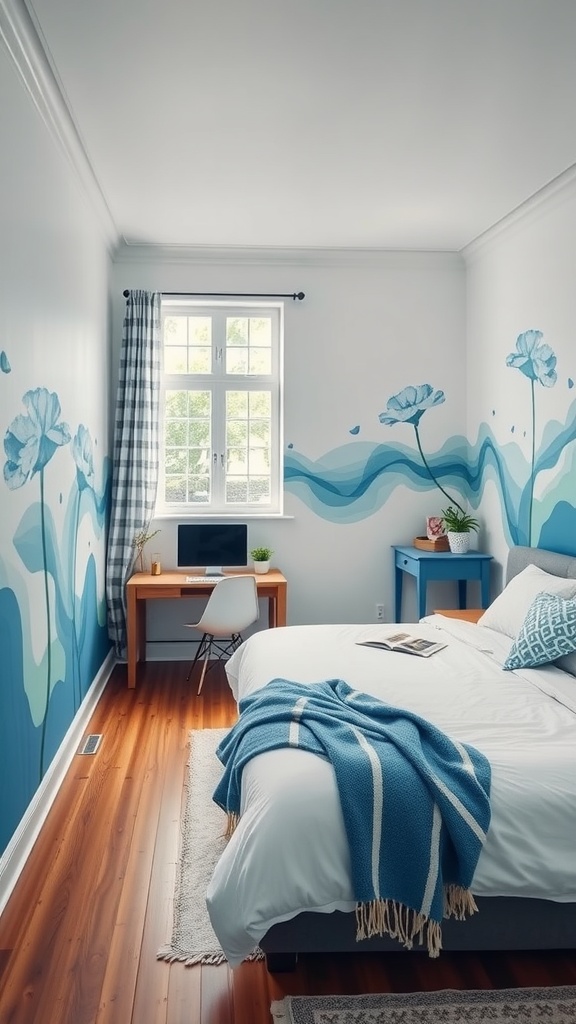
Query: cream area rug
[[201, 843], [506, 1006]]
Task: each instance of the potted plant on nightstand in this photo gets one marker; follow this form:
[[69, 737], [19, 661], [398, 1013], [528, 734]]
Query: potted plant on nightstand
[[458, 525], [261, 558]]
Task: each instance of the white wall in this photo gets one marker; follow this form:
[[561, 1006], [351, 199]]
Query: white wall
[[370, 325]]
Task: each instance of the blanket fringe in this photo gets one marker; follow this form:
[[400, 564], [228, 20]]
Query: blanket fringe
[[388, 917], [458, 902], [232, 820]]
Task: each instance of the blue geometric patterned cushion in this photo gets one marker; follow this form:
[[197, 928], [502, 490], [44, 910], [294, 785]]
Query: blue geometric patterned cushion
[[548, 632]]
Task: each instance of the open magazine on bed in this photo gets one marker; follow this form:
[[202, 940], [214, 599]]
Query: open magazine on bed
[[404, 643]]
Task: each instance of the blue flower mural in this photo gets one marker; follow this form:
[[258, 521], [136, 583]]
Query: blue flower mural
[[537, 362], [409, 406], [29, 444]]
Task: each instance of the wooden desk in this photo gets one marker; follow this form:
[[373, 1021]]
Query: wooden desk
[[440, 565], [142, 587]]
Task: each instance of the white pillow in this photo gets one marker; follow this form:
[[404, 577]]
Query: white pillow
[[507, 612]]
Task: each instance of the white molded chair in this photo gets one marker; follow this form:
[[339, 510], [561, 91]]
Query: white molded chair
[[231, 607]]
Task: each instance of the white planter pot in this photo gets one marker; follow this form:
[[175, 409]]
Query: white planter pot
[[261, 566], [459, 542]]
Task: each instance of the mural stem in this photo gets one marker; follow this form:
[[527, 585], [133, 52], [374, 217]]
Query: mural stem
[[432, 477], [532, 463], [48, 626]]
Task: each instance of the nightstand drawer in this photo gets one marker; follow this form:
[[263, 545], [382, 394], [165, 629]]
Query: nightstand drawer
[[407, 564]]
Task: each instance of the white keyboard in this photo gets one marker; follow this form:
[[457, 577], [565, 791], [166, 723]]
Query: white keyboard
[[202, 579]]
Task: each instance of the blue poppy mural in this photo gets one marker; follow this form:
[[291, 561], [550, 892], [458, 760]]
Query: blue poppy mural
[[537, 362], [39, 694], [29, 444], [409, 406]]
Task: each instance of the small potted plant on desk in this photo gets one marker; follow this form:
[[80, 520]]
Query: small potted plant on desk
[[458, 525], [261, 558]]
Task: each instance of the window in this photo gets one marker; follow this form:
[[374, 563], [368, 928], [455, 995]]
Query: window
[[221, 408]]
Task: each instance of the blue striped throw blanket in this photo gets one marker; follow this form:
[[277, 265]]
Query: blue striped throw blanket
[[415, 802]]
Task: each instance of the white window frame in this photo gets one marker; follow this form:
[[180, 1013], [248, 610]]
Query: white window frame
[[218, 382]]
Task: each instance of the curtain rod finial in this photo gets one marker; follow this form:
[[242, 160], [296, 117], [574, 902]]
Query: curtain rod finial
[[125, 293], [299, 295]]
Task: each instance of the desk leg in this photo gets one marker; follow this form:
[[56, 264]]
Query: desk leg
[[281, 606], [461, 593], [398, 594], [485, 584], [135, 635], [421, 583], [132, 635]]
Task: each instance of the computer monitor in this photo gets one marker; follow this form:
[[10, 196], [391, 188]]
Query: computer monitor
[[213, 546]]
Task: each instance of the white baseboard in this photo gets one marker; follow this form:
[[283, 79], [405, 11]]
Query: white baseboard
[[18, 850]]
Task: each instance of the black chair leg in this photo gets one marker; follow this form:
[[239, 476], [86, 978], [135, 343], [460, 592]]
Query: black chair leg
[[200, 651]]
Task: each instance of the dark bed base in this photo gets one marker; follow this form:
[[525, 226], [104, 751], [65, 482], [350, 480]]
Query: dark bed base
[[502, 923]]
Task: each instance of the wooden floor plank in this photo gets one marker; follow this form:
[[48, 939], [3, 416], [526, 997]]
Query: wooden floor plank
[[151, 996], [184, 994], [81, 974], [54, 943], [79, 936], [125, 946]]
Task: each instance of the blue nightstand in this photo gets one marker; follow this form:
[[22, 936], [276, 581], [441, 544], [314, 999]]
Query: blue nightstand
[[439, 565]]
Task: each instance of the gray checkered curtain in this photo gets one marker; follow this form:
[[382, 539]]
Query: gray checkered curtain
[[135, 465]]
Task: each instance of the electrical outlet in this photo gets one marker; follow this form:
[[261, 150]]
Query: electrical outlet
[[379, 613]]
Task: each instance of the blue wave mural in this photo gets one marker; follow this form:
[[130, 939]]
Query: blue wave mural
[[353, 481]]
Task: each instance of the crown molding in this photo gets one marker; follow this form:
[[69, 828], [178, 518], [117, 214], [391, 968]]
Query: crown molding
[[287, 257], [554, 191], [22, 38]]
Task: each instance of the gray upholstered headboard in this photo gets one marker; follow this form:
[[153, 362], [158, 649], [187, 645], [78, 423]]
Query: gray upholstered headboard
[[550, 561]]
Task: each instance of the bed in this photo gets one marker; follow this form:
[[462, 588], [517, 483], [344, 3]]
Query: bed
[[283, 880]]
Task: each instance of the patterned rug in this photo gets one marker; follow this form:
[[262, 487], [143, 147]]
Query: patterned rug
[[202, 841], [506, 1006]]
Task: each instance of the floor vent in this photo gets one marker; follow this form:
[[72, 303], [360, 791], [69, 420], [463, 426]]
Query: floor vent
[[91, 744]]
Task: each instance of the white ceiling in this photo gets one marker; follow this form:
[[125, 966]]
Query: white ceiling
[[404, 124]]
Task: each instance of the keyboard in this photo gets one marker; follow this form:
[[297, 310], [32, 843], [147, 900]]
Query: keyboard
[[202, 579]]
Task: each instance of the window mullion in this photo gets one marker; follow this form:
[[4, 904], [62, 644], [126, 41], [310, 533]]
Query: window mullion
[[219, 440]]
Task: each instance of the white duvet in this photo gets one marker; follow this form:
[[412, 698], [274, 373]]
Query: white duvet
[[289, 852]]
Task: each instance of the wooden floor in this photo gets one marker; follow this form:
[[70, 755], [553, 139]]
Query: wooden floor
[[78, 938]]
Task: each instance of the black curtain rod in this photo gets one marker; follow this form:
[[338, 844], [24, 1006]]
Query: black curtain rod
[[233, 295]]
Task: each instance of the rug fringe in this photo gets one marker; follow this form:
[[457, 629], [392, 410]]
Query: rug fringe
[[171, 957], [280, 1010], [167, 954]]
